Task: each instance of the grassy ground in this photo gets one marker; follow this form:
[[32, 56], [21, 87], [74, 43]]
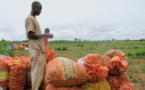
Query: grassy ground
[[135, 51]]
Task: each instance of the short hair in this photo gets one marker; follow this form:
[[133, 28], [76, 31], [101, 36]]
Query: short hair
[[46, 29], [35, 3]]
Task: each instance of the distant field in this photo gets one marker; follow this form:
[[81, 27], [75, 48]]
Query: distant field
[[135, 51]]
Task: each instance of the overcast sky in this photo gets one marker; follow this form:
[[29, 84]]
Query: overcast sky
[[82, 19]]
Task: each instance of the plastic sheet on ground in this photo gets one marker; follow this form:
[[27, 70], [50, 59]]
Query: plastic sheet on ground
[[2, 56]]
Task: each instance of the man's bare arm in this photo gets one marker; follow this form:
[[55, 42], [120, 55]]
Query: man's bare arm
[[32, 35]]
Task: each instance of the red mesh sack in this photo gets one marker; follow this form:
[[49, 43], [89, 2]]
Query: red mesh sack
[[28, 72], [4, 72], [113, 52], [17, 77], [127, 86], [43, 86], [64, 72], [117, 65], [115, 81], [51, 87], [95, 67], [49, 53]]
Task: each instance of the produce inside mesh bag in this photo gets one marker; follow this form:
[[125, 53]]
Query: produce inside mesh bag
[[112, 53], [51, 87], [28, 72], [64, 72], [4, 71], [117, 65], [103, 85], [95, 67], [120, 82], [17, 76], [49, 53]]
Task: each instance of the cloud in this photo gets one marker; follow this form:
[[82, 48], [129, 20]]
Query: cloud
[[82, 19]]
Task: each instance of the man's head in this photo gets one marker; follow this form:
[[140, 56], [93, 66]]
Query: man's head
[[46, 30], [36, 8]]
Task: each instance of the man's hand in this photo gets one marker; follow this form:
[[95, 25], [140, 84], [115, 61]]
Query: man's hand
[[48, 35]]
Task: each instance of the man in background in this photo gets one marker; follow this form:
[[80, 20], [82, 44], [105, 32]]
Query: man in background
[[45, 38]]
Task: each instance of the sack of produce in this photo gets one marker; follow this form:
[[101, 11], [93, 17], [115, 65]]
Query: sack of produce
[[113, 52], [117, 65], [103, 85], [95, 67], [51, 87], [17, 76], [127, 86], [49, 53], [4, 72], [117, 82], [64, 72], [43, 86], [28, 72]]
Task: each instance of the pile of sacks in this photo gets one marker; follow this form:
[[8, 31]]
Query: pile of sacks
[[91, 72], [87, 73], [97, 71], [13, 72], [117, 64]]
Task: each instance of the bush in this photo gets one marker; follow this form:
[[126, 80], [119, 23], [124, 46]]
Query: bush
[[129, 54], [61, 48], [122, 47], [80, 45], [12, 53], [135, 47], [140, 53]]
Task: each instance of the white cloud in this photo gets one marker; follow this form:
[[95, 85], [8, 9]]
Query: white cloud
[[83, 19]]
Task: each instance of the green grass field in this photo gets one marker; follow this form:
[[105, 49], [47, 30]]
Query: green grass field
[[135, 51]]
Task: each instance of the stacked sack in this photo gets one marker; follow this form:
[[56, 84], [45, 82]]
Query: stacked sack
[[13, 73], [28, 72], [4, 72], [49, 53], [117, 64], [64, 74], [17, 76], [96, 68]]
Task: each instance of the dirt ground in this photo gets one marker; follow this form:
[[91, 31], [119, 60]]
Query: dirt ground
[[138, 79]]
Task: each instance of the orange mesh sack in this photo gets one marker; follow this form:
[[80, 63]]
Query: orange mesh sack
[[49, 53], [43, 86], [27, 62], [95, 67], [28, 72], [17, 77], [116, 81], [64, 72], [51, 87], [117, 65], [4, 72], [127, 86], [103, 85], [113, 52]]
